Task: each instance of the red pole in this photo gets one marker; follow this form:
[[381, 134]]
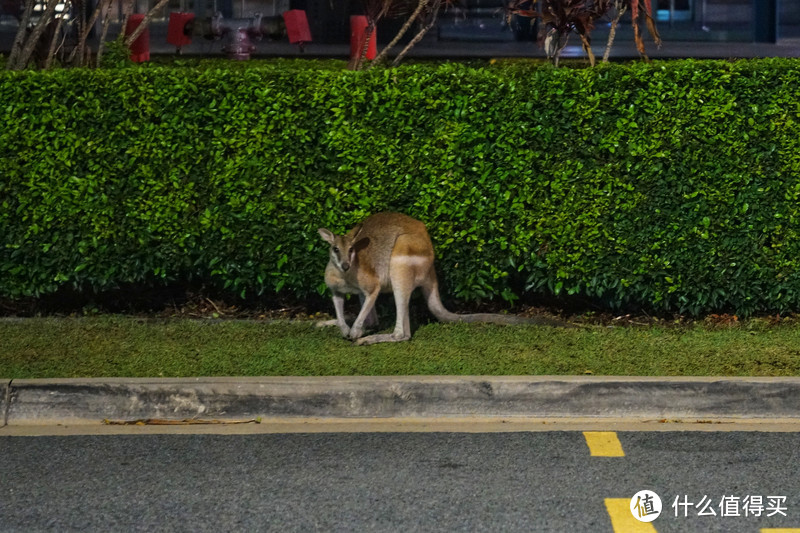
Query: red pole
[[140, 49], [358, 30]]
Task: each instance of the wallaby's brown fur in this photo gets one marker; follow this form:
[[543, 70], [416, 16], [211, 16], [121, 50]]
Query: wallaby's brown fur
[[390, 252]]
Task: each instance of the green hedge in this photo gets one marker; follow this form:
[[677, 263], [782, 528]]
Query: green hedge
[[669, 186]]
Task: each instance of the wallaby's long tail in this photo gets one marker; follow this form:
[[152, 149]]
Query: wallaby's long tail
[[431, 293]]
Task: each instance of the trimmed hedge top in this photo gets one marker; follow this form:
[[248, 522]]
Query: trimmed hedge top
[[670, 186]]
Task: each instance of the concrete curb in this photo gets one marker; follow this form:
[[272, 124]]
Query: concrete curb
[[90, 401], [5, 393]]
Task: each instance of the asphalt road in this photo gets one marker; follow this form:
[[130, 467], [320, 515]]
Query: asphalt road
[[545, 481]]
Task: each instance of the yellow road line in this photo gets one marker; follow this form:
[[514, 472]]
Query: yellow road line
[[622, 521], [781, 530], [603, 444]]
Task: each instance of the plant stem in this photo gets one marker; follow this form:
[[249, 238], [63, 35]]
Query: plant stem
[[613, 32], [145, 22], [33, 38], [420, 34], [52, 51], [19, 39], [86, 30], [587, 47], [103, 33], [403, 30]]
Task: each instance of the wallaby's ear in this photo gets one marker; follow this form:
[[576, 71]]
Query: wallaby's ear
[[361, 244], [326, 235], [353, 233]]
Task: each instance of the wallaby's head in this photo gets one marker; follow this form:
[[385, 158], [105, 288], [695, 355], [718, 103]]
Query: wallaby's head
[[344, 247]]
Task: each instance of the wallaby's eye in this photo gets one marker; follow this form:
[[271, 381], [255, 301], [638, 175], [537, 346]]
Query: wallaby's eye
[[336, 249]]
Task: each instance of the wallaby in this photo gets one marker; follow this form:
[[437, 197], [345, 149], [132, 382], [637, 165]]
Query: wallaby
[[390, 252]]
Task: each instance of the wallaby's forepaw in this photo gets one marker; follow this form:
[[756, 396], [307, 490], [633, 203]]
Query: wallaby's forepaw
[[356, 333], [345, 329]]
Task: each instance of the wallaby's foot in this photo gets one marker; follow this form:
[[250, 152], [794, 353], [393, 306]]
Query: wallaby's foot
[[384, 337], [345, 329]]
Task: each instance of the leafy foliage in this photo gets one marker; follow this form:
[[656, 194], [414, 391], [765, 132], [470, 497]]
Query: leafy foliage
[[670, 186]]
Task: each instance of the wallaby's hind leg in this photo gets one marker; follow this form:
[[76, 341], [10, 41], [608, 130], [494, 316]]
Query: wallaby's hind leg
[[402, 328], [407, 269]]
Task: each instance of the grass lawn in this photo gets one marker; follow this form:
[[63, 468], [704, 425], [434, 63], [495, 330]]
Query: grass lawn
[[115, 346]]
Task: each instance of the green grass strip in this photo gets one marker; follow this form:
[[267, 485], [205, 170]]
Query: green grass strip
[[130, 347]]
